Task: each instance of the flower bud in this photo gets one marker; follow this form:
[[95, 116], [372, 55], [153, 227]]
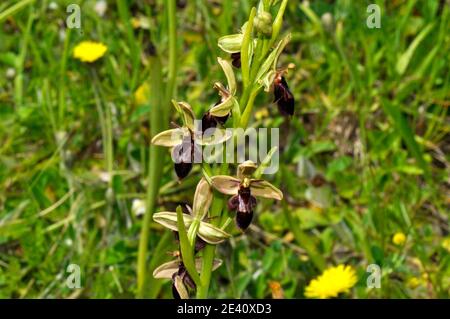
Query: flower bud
[[327, 21], [231, 43], [263, 23]]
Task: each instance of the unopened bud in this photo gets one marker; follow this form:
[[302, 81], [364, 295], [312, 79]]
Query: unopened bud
[[327, 21], [263, 23]]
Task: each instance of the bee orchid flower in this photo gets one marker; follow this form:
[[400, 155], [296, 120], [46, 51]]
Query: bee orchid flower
[[283, 96], [182, 282], [244, 191], [179, 270], [221, 111], [186, 141], [202, 201]]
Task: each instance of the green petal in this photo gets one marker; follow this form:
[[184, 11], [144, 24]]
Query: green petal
[[231, 43], [186, 112], [217, 137], [264, 189], [229, 73], [169, 138], [212, 234], [169, 220], [202, 199], [226, 184]]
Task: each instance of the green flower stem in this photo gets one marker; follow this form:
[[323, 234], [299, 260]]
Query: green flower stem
[[171, 10], [226, 222], [249, 107], [205, 276], [210, 250], [277, 24], [246, 42], [187, 251], [192, 233], [244, 98], [155, 166]]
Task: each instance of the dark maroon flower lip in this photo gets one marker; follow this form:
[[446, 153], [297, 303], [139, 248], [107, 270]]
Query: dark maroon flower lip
[[243, 203], [236, 59], [283, 96], [185, 154], [211, 121], [243, 220]]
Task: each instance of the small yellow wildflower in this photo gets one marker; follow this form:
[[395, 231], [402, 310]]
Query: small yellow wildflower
[[141, 94], [332, 282], [413, 282], [261, 114], [446, 244], [399, 238], [89, 51], [135, 23]]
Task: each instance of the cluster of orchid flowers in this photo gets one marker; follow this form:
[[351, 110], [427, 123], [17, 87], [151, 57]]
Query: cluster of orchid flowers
[[243, 190], [193, 226]]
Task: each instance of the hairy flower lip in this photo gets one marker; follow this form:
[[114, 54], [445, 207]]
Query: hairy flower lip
[[283, 96]]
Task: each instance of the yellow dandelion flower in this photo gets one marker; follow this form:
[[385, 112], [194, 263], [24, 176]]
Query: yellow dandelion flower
[[89, 51], [142, 93], [332, 282], [399, 238]]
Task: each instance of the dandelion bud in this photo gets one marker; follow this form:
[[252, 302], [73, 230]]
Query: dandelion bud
[[10, 73], [100, 7], [327, 21]]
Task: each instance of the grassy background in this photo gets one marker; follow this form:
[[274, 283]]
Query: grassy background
[[371, 117]]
